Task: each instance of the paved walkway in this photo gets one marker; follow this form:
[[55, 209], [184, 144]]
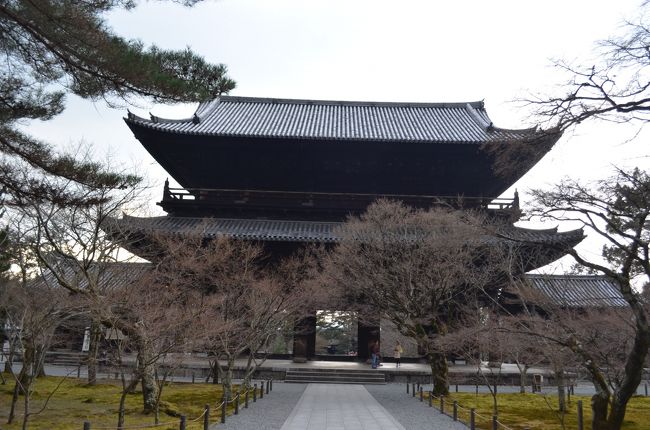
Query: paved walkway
[[339, 407]]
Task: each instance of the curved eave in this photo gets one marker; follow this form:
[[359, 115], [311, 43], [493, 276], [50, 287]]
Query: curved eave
[[536, 248], [494, 135], [541, 247]]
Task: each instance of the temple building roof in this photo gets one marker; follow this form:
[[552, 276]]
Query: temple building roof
[[303, 231], [339, 121], [578, 291]]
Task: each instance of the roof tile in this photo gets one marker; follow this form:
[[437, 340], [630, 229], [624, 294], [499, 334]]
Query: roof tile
[[337, 120]]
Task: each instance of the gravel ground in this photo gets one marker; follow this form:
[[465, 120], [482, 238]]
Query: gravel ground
[[268, 413], [412, 414]]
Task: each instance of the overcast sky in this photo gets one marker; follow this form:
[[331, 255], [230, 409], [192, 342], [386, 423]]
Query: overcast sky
[[411, 51]]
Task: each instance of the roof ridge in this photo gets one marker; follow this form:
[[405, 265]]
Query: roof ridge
[[270, 100], [566, 275], [161, 217]]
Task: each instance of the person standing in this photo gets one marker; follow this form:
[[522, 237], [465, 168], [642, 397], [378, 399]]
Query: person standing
[[397, 353], [375, 354]]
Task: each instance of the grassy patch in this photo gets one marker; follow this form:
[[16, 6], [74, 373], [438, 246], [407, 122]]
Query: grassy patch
[[537, 411], [75, 402]]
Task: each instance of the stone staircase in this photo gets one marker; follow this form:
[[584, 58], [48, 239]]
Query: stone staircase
[[65, 358], [334, 376]]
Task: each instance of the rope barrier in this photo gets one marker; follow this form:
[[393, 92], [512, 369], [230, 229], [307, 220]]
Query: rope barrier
[[236, 397], [200, 416], [458, 406]]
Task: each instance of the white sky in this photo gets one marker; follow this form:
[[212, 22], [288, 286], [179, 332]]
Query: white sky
[[413, 51]]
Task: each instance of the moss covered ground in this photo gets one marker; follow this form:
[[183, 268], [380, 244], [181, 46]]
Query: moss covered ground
[[536, 411], [75, 402]]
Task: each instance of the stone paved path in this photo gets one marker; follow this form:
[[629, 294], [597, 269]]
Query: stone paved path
[[339, 407]]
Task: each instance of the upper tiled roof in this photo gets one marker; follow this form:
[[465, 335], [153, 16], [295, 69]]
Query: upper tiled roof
[[578, 291], [339, 120]]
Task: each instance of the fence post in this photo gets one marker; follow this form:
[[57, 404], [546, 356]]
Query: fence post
[[455, 410], [206, 418], [495, 423], [442, 404], [456, 387], [183, 422], [246, 398], [254, 393], [407, 387], [86, 425], [472, 419], [261, 389], [237, 404], [421, 394], [267, 386], [477, 389], [224, 404], [193, 377], [430, 399], [580, 417]]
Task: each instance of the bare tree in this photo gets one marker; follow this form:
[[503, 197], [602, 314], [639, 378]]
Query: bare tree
[[615, 88], [68, 241], [417, 268], [35, 312], [618, 211], [246, 299], [154, 319]]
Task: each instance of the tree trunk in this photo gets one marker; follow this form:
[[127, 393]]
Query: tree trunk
[[149, 387], [14, 401], [438, 363], [26, 411], [147, 374], [121, 409], [561, 390], [250, 370], [523, 373], [616, 414], [599, 406], [214, 371], [39, 360], [93, 351], [226, 377]]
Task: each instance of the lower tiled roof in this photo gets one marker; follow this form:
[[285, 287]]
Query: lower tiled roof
[[248, 229], [300, 231], [578, 291]]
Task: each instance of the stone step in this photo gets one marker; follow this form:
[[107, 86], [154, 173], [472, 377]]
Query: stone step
[[334, 376], [341, 374], [344, 381], [321, 370], [338, 380]]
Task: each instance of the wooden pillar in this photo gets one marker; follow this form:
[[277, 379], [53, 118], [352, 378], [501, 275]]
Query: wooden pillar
[[304, 339]]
